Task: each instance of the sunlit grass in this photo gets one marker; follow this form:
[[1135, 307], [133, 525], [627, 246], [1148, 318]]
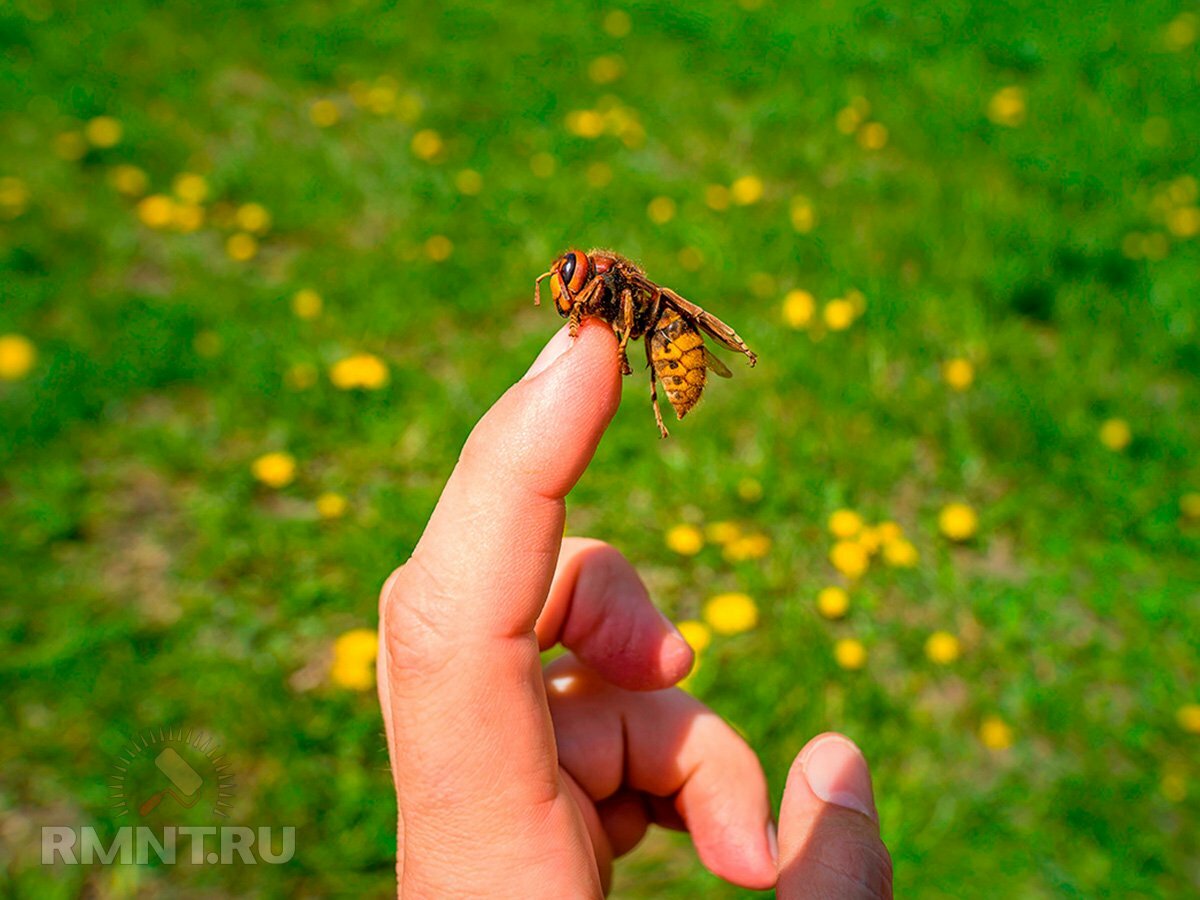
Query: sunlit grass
[[260, 272]]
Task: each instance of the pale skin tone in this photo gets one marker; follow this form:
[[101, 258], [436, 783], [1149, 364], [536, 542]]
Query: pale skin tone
[[514, 780]]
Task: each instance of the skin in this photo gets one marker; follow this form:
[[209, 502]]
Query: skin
[[514, 781]]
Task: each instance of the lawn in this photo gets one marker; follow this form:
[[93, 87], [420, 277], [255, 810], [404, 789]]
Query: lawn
[[263, 266]]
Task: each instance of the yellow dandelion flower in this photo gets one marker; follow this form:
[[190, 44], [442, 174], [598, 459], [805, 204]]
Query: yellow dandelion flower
[[847, 120], [17, 356], [750, 490], [617, 23], [586, 123], [324, 113], [331, 505], [469, 182], [1007, 107], [14, 197], [697, 634], [873, 136], [995, 733], [1115, 434], [362, 370], [156, 211], [849, 558], [1189, 505], [958, 522], [128, 180], [686, 540], [207, 344], [746, 190], [661, 210], [1184, 222], [187, 217], [752, 546], [241, 247], [845, 523], [716, 196], [439, 248], [307, 303], [942, 648], [838, 314], [869, 539], [833, 602], [70, 146], [958, 373], [190, 187], [252, 217], [798, 308], [1182, 31], [850, 654], [731, 613], [1188, 717], [301, 376], [381, 99], [354, 659], [722, 532], [1155, 246], [103, 132], [427, 144], [542, 165], [606, 69], [1184, 190], [1174, 787], [804, 217], [275, 469], [598, 174], [889, 531], [691, 258], [900, 554]]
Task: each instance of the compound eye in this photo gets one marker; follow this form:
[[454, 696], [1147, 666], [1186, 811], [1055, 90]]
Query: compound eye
[[575, 270]]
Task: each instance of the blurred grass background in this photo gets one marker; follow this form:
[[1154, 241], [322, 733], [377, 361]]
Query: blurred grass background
[[264, 264]]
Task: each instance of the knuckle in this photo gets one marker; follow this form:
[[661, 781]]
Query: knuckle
[[416, 641]]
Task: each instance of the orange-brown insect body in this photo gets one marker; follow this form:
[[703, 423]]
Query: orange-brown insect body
[[677, 355], [606, 285]]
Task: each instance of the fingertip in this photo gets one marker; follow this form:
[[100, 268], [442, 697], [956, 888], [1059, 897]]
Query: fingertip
[[836, 771], [675, 658]]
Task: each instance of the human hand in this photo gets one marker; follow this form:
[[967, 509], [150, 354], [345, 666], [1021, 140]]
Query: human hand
[[511, 781]]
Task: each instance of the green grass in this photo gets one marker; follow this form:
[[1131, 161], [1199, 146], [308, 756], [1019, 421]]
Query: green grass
[[149, 581]]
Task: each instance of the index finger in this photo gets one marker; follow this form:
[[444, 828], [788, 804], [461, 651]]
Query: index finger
[[469, 732], [501, 513]]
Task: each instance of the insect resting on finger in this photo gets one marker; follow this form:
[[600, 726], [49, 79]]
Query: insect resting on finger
[[609, 286]]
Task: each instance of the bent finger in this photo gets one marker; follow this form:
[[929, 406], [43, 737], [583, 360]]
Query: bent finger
[[667, 744], [599, 609]]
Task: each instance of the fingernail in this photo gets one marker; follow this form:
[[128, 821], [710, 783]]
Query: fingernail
[[555, 347], [837, 773], [773, 842], [675, 649]]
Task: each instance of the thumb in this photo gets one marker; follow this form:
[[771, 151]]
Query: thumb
[[829, 844]]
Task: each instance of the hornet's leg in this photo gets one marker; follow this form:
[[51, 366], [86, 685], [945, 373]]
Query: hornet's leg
[[574, 318], [627, 314], [662, 429]]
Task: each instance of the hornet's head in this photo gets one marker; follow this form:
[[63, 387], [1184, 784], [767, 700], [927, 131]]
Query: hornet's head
[[568, 275]]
